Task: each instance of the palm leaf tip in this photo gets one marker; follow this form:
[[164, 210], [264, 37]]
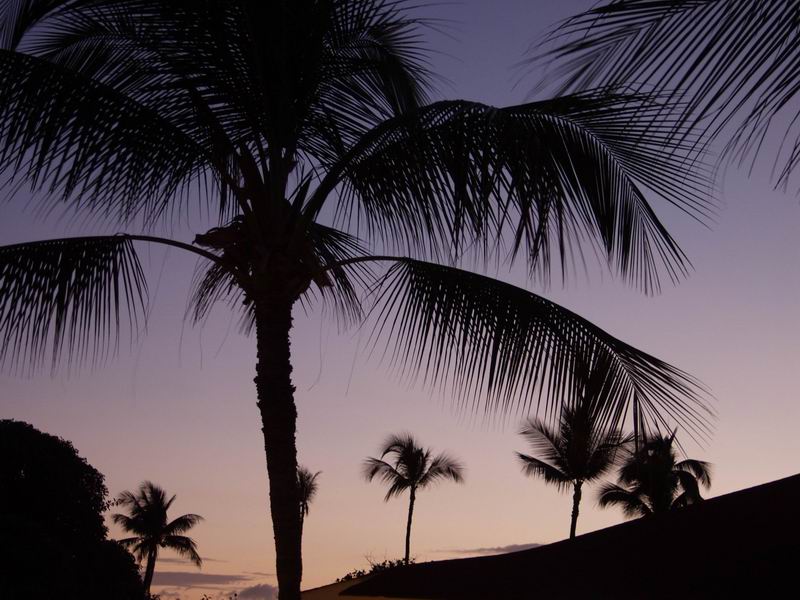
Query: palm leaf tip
[[498, 347], [68, 296]]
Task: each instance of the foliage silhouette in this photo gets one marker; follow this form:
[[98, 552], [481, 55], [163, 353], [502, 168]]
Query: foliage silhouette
[[652, 480], [307, 484], [307, 132], [51, 523], [721, 62], [147, 520], [410, 467], [375, 567], [577, 452]]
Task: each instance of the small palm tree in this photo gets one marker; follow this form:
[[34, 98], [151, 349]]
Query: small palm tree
[[652, 480], [147, 520], [411, 468], [307, 483], [578, 452]]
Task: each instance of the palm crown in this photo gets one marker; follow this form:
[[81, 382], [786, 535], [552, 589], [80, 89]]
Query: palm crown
[[410, 468], [580, 451], [147, 520], [305, 129], [653, 480], [307, 486]]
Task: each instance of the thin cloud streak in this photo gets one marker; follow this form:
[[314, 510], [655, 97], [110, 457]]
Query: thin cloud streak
[[489, 550]]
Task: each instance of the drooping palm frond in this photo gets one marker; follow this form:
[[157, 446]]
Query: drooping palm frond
[[184, 546], [500, 348], [533, 467], [88, 144], [725, 61], [68, 296], [545, 176], [630, 502]]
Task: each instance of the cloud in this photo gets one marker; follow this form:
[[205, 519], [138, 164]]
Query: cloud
[[263, 591], [191, 578], [491, 550], [260, 574]]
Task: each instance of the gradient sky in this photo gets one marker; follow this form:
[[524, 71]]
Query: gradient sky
[[179, 408]]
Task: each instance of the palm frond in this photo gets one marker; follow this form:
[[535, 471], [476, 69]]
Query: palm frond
[[700, 469], [185, 547], [442, 467], [182, 524], [723, 61], [545, 441], [90, 145], [533, 467], [67, 296], [630, 502], [375, 467], [538, 178], [498, 347]]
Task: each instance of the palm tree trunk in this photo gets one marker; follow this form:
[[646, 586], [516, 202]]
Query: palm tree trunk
[[576, 501], [150, 569], [278, 419], [411, 500]]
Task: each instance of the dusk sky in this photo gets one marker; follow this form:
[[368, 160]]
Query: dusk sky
[[178, 408]]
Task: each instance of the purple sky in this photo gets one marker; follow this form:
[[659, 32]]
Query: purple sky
[[179, 409]]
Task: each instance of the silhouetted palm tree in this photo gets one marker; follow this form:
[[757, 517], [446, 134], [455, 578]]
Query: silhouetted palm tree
[[652, 480], [307, 484], [410, 467], [722, 61], [304, 130], [147, 520], [580, 451]]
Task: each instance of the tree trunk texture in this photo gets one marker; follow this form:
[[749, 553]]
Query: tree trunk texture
[[150, 569], [576, 501], [279, 419], [411, 500]]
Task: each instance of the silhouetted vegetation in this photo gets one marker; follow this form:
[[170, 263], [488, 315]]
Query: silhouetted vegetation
[[376, 567], [410, 468], [652, 479], [308, 132], [307, 483], [147, 520], [52, 536], [724, 66], [579, 451]]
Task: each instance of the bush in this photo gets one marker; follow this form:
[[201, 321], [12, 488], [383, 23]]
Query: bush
[[51, 523]]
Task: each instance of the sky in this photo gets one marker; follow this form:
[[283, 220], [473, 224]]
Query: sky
[[178, 408]]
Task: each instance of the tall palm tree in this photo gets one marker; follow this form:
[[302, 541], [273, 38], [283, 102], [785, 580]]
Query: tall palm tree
[[725, 62], [147, 521], [579, 452], [303, 132], [410, 467], [652, 480], [307, 484]]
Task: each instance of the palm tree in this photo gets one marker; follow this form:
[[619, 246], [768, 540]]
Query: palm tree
[[303, 132], [579, 452], [411, 467], [307, 484], [724, 62], [652, 480], [147, 521]]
